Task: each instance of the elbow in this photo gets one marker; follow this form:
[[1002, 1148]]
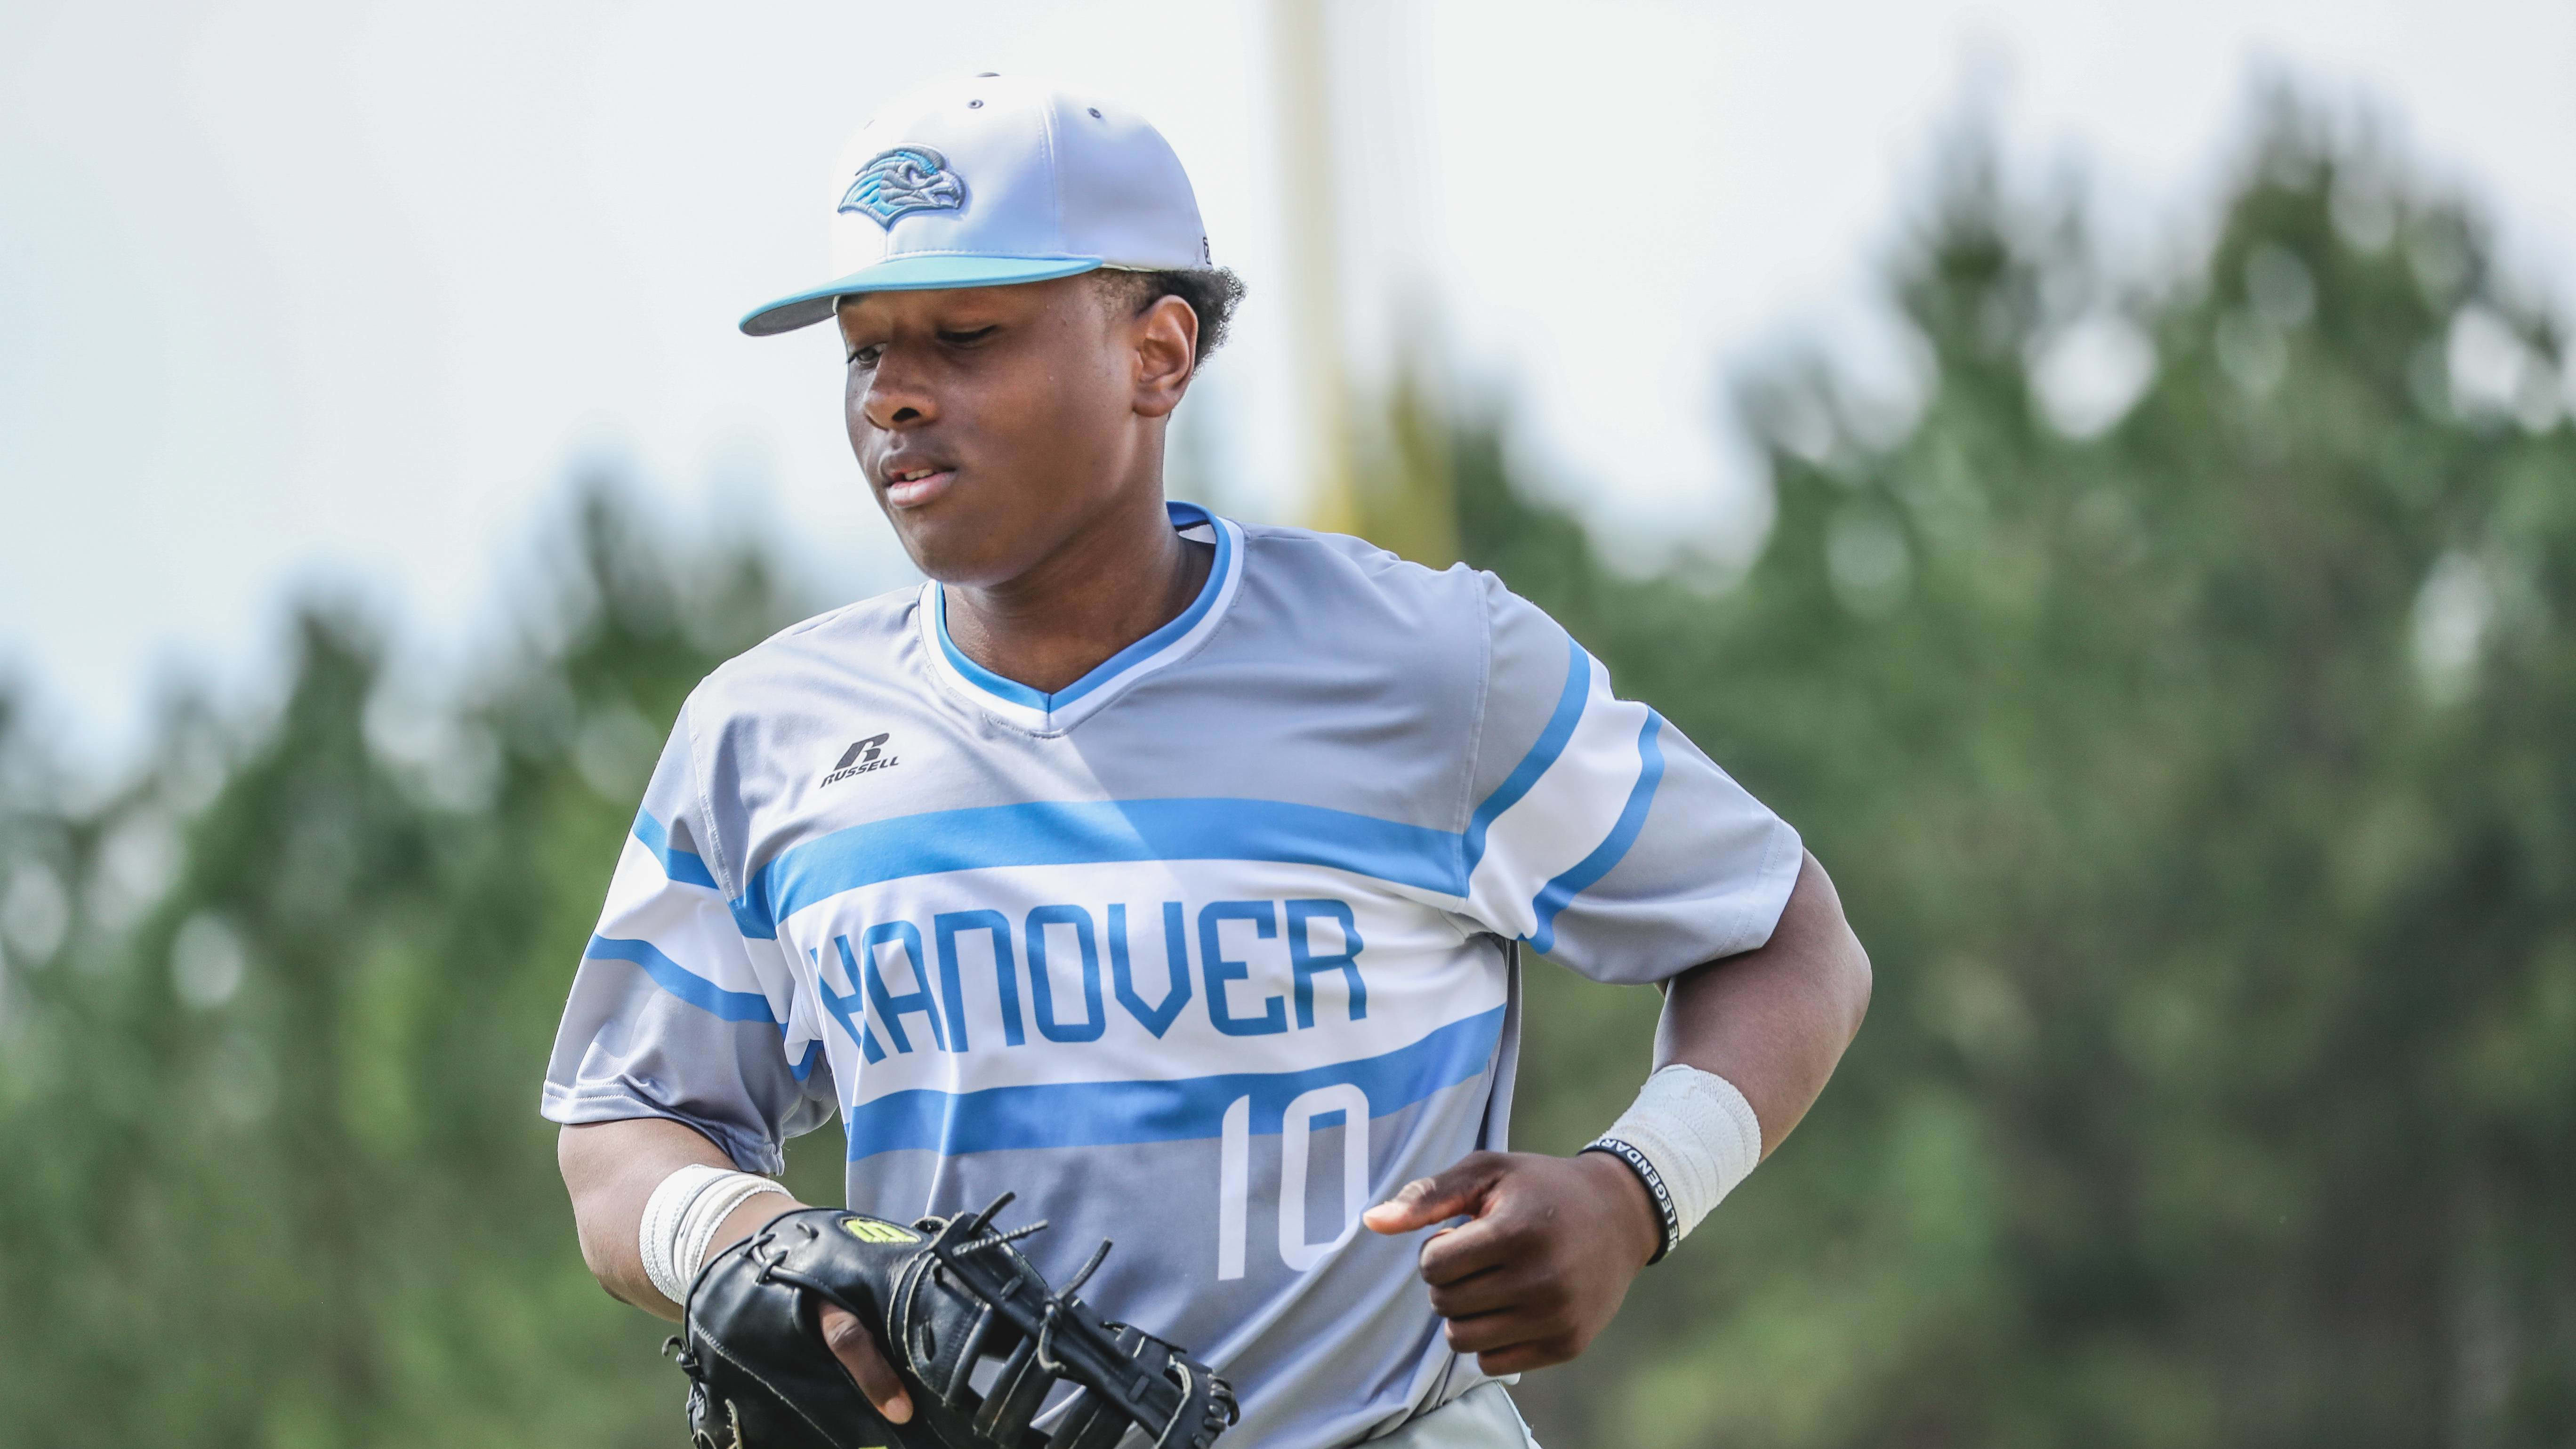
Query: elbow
[[1842, 962], [1854, 977], [594, 1254], [578, 1158]]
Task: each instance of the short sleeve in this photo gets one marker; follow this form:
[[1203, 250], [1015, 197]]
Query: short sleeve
[[1599, 835], [674, 1013]]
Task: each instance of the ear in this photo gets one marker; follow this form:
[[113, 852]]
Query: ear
[[1166, 338]]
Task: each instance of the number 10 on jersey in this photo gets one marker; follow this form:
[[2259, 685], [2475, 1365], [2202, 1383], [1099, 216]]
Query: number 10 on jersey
[[1296, 1138]]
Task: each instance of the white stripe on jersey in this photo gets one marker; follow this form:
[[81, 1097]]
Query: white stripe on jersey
[[1572, 807]]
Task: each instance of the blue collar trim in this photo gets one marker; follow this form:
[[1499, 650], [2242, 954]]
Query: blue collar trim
[[1183, 516]]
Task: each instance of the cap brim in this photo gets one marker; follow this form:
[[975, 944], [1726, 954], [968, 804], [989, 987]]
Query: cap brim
[[910, 274]]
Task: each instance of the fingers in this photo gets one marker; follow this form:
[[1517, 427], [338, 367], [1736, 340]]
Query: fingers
[[1516, 1320], [857, 1350], [1424, 1201], [1492, 1290], [1521, 1358], [1521, 1335], [1489, 1242], [1541, 1265]]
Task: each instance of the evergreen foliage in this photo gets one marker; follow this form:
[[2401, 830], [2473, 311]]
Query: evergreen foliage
[[2197, 776], [2203, 792], [277, 1174]]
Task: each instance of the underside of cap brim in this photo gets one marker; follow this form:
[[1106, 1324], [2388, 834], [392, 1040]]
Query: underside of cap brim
[[918, 273]]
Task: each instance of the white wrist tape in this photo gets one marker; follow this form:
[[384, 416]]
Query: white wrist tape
[[681, 1218], [1698, 1137]]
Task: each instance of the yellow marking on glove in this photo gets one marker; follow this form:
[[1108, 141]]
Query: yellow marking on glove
[[869, 1230]]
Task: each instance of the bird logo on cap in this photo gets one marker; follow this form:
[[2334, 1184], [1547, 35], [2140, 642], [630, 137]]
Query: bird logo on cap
[[902, 181]]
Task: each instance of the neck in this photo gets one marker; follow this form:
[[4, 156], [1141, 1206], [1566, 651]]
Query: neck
[[1116, 581]]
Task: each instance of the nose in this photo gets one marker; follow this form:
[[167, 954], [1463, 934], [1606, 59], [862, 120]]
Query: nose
[[895, 396]]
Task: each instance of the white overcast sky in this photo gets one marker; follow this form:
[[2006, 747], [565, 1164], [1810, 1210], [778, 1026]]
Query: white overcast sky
[[334, 290]]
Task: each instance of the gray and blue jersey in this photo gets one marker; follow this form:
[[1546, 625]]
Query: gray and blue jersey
[[1204, 953]]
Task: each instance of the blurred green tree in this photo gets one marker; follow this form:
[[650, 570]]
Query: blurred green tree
[[2198, 772], [2177, 691], [270, 1086]]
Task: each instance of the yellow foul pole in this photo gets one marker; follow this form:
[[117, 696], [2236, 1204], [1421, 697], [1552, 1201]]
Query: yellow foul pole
[[1301, 86]]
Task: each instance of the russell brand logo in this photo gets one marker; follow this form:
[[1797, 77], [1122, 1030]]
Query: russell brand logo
[[867, 754]]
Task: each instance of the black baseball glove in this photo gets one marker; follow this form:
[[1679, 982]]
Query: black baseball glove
[[979, 1339]]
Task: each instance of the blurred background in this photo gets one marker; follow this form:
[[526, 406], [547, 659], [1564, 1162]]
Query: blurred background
[[2104, 473]]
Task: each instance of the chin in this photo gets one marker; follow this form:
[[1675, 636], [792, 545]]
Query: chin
[[955, 551]]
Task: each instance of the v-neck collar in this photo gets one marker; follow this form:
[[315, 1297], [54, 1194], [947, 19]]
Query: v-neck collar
[[1042, 713]]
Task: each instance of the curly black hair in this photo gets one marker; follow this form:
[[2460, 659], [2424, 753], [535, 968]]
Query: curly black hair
[[1212, 293]]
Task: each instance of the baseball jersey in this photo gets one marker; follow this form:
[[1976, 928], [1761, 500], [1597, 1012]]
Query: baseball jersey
[[1204, 953]]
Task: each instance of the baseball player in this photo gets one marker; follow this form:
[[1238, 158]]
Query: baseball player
[[1171, 871]]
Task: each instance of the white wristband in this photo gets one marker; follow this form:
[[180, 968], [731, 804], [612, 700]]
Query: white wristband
[[681, 1218], [1692, 1137]]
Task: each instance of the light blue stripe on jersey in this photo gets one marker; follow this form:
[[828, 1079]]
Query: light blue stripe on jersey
[[697, 990], [1087, 832], [683, 983], [979, 676], [1554, 896], [1183, 515], [1551, 743], [1096, 1114], [682, 866], [1222, 828]]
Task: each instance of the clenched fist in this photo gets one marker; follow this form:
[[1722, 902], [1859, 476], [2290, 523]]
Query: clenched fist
[[1545, 1259]]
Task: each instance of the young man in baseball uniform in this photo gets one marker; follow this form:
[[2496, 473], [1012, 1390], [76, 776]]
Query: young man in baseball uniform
[[1169, 871]]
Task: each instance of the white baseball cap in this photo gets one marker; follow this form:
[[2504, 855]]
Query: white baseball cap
[[994, 180]]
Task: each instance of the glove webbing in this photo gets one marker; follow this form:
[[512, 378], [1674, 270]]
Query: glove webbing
[[1060, 1338]]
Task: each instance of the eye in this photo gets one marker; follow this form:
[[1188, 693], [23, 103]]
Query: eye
[[968, 337], [865, 358]]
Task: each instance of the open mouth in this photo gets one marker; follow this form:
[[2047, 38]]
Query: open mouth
[[912, 486]]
